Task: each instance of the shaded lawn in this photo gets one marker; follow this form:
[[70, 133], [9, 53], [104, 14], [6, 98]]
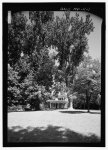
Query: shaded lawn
[[49, 134], [79, 112], [76, 126]]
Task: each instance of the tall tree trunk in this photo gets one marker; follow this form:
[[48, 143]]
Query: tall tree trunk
[[84, 103], [87, 100]]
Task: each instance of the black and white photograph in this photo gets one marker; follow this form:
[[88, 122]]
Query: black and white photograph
[[53, 74]]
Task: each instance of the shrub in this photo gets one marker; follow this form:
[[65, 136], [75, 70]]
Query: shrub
[[14, 108]]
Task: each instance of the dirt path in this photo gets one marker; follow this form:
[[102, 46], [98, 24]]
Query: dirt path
[[54, 126]]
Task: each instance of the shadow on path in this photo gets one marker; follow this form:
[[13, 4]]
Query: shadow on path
[[48, 134]]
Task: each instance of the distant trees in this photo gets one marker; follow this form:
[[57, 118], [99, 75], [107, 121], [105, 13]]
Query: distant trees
[[88, 82]]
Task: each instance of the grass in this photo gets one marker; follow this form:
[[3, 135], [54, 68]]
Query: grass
[[54, 126]]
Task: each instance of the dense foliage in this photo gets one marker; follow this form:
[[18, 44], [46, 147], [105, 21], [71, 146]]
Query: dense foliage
[[68, 36], [88, 81], [32, 71]]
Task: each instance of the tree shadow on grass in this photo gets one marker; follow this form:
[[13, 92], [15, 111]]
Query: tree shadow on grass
[[49, 134], [79, 112], [73, 112], [99, 112]]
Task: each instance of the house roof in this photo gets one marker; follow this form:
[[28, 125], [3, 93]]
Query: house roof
[[57, 101]]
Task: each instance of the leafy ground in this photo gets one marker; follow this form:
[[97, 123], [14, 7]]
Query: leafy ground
[[54, 126]]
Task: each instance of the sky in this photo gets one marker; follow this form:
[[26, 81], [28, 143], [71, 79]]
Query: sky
[[94, 39]]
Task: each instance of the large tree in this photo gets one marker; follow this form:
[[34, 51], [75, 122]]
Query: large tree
[[28, 58], [16, 37], [26, 37], [69, 36]]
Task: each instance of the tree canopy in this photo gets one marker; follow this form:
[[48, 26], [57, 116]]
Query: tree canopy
[[68, 36], [31, 67], [88, 81]]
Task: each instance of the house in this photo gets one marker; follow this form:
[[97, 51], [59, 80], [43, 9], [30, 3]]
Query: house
[[58, 103]]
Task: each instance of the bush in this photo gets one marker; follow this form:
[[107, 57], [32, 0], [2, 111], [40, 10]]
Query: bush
[[14, 108]]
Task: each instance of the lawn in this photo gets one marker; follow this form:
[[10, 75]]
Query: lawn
[[54, 126]]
